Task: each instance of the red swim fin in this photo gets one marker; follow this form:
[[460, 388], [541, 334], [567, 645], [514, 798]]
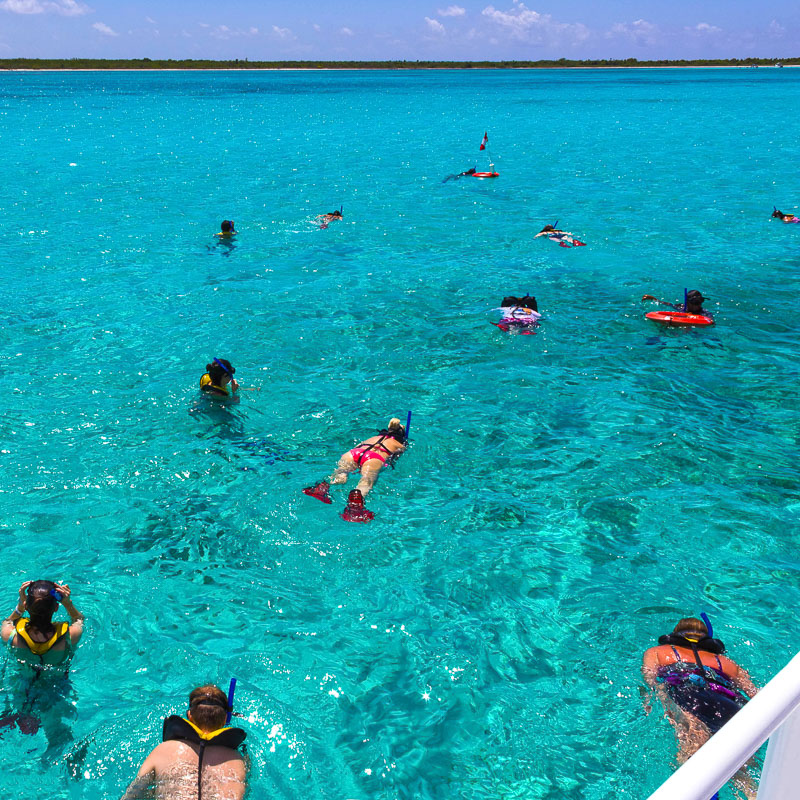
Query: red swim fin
[[501, 325], [563, 244], [320, 491], [354, 511], [576, 243]]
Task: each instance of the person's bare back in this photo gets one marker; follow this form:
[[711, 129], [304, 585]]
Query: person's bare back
[[172, 769]]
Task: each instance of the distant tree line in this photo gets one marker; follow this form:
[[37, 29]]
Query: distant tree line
[[169, 63]]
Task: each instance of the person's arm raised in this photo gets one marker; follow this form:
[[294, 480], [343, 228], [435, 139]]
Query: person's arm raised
[[75, 616]]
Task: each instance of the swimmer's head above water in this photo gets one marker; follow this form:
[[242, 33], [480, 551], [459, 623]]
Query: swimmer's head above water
[[219, 373], [208, 707], [692, 632], [220, 370], [396, 430], [694, 302], [41, 600], [227, 226], [528, 301]]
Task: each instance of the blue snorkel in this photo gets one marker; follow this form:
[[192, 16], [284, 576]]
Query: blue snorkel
[[408, 424], [58, 596], [223, 368], [685, 298], [710, 629], [231, 692], [555, 224]]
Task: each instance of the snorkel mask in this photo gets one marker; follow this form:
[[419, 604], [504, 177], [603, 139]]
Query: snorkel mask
[[228, 372]]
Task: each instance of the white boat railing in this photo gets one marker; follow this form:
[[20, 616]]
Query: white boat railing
[[775, 707]]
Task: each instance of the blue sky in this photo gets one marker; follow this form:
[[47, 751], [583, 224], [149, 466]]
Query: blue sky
[[413, 29]]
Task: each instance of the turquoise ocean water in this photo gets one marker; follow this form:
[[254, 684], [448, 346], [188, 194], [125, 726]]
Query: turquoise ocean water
[[566, 498]]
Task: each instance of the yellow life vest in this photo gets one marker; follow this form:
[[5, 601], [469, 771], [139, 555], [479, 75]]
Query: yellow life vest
[[40, 648], [207, 385]]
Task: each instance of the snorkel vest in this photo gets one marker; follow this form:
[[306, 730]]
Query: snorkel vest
[[207, 385], [180, 729], [39, 648], [714, 646]]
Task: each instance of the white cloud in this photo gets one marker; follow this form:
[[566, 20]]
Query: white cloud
[[346, 32], [67, 8], [281, 33], [316, 27], [22, 6], [435, 26], [150, 20], [101, 27], [452, 11], [640, 32], [775, 29], [704, 27], [521, 22], [70, 8], [224, 32]]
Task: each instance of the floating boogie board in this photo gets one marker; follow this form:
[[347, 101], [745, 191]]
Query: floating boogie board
[[485, 174], [679, 318]]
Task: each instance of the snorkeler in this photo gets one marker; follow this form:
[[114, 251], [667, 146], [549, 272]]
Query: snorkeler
[[784, 217], [219, 375], [693, 304], [196, 751], [564, 238], [226, 229], [326, 219], [369, 457], [519, 313], [700, 688], [470, 171], [38, 642]]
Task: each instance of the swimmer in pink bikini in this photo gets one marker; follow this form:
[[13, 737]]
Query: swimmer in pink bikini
[[369, 457]]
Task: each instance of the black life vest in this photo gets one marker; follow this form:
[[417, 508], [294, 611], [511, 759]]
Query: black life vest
[[714, 646], [178, 728]]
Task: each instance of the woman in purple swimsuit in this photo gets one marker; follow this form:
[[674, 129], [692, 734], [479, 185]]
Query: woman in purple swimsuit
[[700, 688]]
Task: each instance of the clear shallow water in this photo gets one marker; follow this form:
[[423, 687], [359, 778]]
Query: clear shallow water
[[483, 635]]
